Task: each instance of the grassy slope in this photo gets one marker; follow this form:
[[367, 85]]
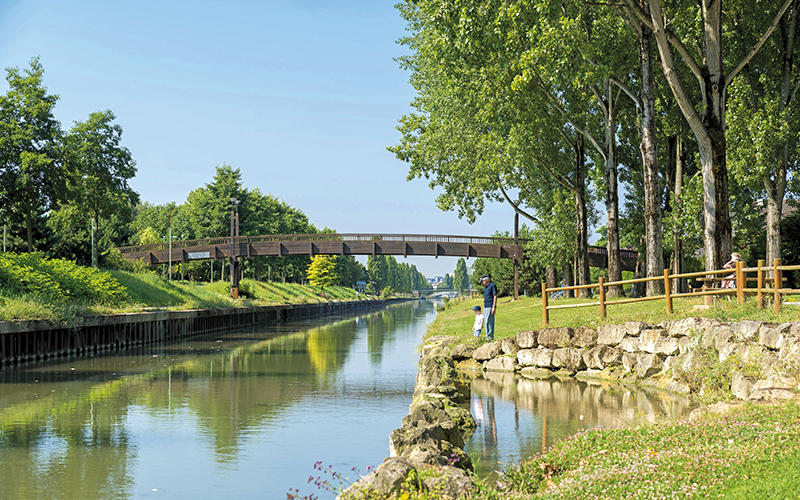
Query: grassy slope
[[150, 291], [752, 452]]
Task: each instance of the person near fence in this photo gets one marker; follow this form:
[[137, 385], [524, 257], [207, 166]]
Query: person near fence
[[489, 305], [730, 280]]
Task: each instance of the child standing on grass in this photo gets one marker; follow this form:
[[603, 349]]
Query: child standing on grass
[[478, 325]]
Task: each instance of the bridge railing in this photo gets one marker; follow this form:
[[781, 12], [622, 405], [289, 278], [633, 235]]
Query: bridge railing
[[353, 237]]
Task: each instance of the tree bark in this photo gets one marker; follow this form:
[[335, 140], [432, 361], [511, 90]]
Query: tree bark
[[568, 278], [652, 199], [582, 244], [612, 195], [29, 227]]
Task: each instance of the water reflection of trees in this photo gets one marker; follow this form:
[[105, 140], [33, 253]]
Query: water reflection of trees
[[228, 394], [545, 411]]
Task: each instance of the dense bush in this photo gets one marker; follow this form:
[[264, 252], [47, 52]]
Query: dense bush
[[57, 279]]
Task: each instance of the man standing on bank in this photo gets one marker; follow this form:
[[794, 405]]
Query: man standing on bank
[[489, 305]]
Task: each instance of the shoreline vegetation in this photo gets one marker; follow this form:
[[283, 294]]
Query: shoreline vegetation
[[36, 288], [727, 449]]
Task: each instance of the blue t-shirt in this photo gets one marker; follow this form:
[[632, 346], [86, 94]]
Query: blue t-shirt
[[489, 292]]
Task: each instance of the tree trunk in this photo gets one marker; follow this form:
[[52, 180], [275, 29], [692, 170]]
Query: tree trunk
[[582, 245], [550, 277], [612, 197], [568, 278], [29, 227], [652, 199], [675, 155]]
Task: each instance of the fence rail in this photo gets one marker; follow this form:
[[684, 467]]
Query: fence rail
[[764, 275]]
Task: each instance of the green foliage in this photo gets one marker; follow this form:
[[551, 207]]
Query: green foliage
[[57, 279], [460, 277], [322, 271]]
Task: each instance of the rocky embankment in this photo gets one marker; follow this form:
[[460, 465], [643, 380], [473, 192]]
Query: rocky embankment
[[764, 358], [427, 451]]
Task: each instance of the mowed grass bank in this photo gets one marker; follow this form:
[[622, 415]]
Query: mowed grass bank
[[526, 314], [33, 287]]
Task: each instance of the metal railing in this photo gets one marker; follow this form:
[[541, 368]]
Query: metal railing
[[764, 275]]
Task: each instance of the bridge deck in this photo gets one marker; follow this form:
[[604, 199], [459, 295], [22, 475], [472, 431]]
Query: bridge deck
[[407, 245]]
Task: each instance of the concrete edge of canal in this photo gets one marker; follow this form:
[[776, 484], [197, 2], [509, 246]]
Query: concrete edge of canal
[[22, 341]]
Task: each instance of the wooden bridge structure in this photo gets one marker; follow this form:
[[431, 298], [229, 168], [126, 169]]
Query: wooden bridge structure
[[407, 245]]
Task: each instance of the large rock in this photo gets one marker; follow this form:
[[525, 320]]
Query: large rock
[[583, 336], [612, 357], [611, 335], [501, 364], [746, 331], [789, 354], [634, 328], [527, 339], [450, 482], [533, 372], [471, 366], [741, 386], [773, 337], [569, 358], [487, 351], [593, 358], [385, 480], [542, 358], [509, 346], [629, 361], [649, 338], [433, 370], [555, 337], [648, 365], [461, 351], [688, 326], [629, 344], [667, 347]]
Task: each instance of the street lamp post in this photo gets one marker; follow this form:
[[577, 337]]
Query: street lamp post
[[234, 234]]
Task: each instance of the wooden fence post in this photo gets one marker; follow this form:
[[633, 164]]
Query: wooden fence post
[[778, 277], [668, 290], [740, 284], [602, 299], [545, 312], [760, 284]]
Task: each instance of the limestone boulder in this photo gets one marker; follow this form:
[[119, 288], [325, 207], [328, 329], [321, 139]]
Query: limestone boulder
[[612, 357], [634, 328], [773, 337], [487, 351], [569, 358], [666, 346], [649, 339], [542, 358], [648, 365], [469, 366], [553, 338], [722, 336], [461, 351], [629, 344], [509, 346], [611, 335], [593, 358], [450, 482], [795, 330], [629, 361], [775, 388], [433, 416], [385, 480], [684, 344], [687, 327], [789, 353], [527, 339], [433, 370], [583, 336], [746, 331], [501, 364], [741, 386], [728, 350]]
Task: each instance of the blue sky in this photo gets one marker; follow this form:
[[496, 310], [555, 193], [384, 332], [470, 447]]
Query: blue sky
[[302, 96]]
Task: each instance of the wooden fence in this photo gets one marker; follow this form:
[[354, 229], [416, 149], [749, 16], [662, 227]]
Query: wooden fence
[[764, 277]]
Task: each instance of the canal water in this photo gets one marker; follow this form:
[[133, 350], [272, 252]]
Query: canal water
[[248, 414]]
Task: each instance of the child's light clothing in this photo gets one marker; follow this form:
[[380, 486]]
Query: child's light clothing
[[478, 325]]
